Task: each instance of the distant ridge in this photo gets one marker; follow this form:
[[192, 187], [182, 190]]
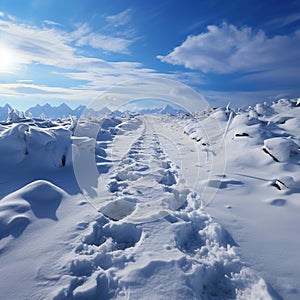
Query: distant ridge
[[63, 110], [167, 109], [54, 112]]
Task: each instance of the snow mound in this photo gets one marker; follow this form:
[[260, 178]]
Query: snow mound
[[196, 132], [43, 197], [287, 183], [264, 109], [39, 199], [51, 147], [280, 148]]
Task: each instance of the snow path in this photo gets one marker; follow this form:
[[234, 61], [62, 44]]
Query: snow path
[[141, 181], [155, 242]]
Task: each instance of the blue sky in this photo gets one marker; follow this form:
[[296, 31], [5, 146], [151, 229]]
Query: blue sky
[[71, 51]]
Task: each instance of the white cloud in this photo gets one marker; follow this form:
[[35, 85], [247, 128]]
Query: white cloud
[[227, 49], [55, 47], [49, 22], [61, 50], [39, 92], [120, 25], [100, 41], [38, 45], [25, 81], [120, 19], [284, 21]]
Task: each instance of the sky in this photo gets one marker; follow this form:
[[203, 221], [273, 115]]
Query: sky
[[242, 51]]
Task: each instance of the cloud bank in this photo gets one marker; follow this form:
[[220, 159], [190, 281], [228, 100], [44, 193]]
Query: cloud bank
[[227, 49]]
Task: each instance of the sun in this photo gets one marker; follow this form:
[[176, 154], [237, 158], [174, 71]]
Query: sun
[[7, 59]]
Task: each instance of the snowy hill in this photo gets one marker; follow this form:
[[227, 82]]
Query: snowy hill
[[156, 206]]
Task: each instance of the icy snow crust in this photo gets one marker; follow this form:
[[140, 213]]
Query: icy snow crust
[[149, 231]]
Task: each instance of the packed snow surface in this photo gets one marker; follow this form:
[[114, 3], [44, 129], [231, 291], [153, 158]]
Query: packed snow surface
[[186, 206]]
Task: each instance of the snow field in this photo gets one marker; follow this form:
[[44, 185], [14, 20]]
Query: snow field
[[151, 183]]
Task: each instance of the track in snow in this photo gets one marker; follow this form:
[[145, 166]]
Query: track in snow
[[142, 182], [155, 240]]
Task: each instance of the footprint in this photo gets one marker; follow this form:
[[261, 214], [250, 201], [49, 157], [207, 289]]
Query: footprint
[[120, 208], [188, 240], [124, 235], [96, 237], [81, 267], [116, 186], [278, 202], [168, 178]]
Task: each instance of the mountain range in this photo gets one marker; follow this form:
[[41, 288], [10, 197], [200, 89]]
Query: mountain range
[[166, 110], [63, 110]]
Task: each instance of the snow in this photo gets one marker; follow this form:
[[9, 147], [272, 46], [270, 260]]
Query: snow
[[39, 199], [4, 111], [184, 206], [49, 146], [263, 218], [280, 148]]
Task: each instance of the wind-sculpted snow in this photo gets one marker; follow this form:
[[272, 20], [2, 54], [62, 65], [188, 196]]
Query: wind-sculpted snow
[[51, 147], [39, 199], [144, 216]]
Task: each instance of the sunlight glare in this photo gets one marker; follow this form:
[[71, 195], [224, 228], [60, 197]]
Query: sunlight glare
[[7, 59]]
